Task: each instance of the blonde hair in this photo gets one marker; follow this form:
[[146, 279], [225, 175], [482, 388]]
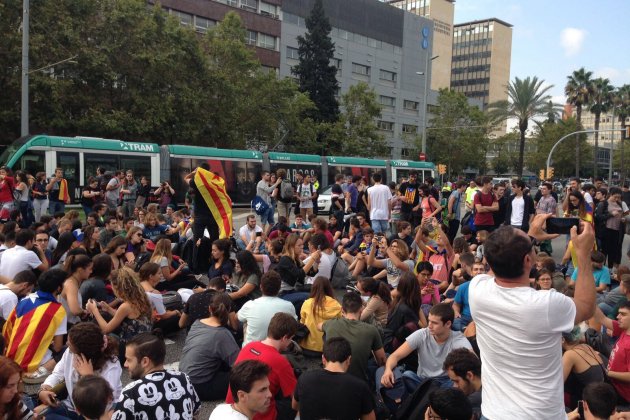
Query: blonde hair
[[162, 249], [127, 287], [289, 248], [150, 217], [132, 231]]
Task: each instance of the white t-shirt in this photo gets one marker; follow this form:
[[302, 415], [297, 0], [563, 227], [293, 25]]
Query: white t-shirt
[[588, 198], [258, 313], [518, 210], [8, 301], [519, 336], [226, 412], [113, 195], [379, 196], [431, 355], [250, 234], [18, 259], [157, 302], [324, 268]]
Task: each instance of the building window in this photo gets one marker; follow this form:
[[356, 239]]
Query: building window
[[385, 125], [390, 76], [387, 101], [410, 129], [337, 63], [293, 53], [251, 5], [202, 24], [266, 41], [360, 69], [411, 105], [185, 19], [251, 37], [290, 18], [267, 70], [404, 152], [268, 9]]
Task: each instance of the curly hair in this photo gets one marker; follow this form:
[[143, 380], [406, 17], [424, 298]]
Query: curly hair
[[87, 339], [127, 287]]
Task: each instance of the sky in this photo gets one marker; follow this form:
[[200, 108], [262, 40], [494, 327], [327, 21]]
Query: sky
[[552, 38]]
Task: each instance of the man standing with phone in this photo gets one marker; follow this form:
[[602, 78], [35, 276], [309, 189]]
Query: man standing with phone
[[58, 194]]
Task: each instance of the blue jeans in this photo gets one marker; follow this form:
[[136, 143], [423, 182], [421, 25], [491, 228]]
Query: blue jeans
[[55, 206], [296, 298], [86, 209], [380, 226], [460, 324], [412, 380]]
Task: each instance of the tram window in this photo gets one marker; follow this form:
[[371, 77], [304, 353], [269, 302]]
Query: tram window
[[140, 165], [32, 162], [91, 161], [180, 167]]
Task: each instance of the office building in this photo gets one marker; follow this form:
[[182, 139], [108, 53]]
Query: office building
[[441, 12], [377, 44]]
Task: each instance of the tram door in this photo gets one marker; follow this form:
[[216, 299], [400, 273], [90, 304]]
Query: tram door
[[69, 162]]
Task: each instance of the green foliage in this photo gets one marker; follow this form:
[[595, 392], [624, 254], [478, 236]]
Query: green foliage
[[527, 99], [457, 134], [579, 90], [600, 102], [316, 74]]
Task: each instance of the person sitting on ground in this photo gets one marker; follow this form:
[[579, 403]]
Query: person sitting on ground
[[354, 240], [600, 273], [220, 263], [470, 237], [557, 278], [153, 229], [357, 262], [442, 258], [461, 275], [376, 298], [249, 390], [135, 244], [449, 403], [210, 351], [405, 315], [156, 392], [79, 267], [429, 291], [464, 369], [246, 278], [282, 328], [10, 293], [396, 263], [166, 320], [365, 340], [327, 257], [432, 345], [11, 404], [331, 392], [89, 352], [270, 259], [95, 287], [249, 232], [25, 255], [93, 397], [116, 251], [292, 271], [543, 280], [461, 305], [320, 307], [39, 308], [405, 232], [90, 242], [256, 314], [300, 226], [108, 232], [196, 307]]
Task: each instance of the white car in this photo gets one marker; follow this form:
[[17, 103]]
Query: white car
[[324, 200]]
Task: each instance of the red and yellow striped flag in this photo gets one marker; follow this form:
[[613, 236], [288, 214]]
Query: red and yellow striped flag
[[64, 195], [212, 189]]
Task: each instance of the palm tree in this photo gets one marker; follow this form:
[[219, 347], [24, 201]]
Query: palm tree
[[578, 90], [601, 101], [621, 101], [527, 99]]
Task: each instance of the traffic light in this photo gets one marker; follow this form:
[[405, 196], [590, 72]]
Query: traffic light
[[550, 173], [441, 169], [626, 134], [541, 175]]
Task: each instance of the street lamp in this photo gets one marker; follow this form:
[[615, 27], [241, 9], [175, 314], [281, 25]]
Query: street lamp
[[425, 73]]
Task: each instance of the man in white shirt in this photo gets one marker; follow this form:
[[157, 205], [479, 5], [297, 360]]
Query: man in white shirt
[[23, 256], [519, 329], [10, 293], [257, 313], [264, 190], [379, 204], [112, 190], [248, 232], [520, 209]]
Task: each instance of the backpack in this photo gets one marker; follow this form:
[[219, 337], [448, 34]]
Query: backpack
[[172, 301], [340, 276], [414, 406], [141, 260], [259, 205], [286, 190]]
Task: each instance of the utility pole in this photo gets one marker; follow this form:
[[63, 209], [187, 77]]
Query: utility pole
[[25, 41]]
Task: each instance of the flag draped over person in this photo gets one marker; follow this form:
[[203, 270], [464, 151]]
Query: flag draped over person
[[64, 195], [212, 189]]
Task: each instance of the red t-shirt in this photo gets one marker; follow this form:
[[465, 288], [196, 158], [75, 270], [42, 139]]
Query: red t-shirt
[[281, 377], [619, 360], [484, 219], [6, 189]]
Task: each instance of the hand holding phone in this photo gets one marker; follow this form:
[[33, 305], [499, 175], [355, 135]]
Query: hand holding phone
[[562, 225]]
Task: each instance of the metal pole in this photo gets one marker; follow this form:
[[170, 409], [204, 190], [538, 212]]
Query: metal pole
[[25, 42], [426, 106], [612, 143]]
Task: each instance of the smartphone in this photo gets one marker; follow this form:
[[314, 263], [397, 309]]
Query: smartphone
[[562, 225], [258, 234], [581, 409]]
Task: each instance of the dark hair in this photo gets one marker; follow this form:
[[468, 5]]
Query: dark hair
[[63, 245], [460, 184], [519, 183], [277, 245], [149, 345], [408, 292], [505, 250], [601, 399], [114, 243], [451, 404], [413, 172], [217, 283], [91, 395], [8, 368], [320, 289], [270, 283], [25, 277], [74, 262], [598, 257], [223, 245], [351, 303], [376, 287], [248, 263], [356, 178], [101, 266], [45, 218], [548, 185], [320, 241], [337, 349], [282, 325], [147, 270], [50, 281], [548, 263], [467, 258], [486, 180], [424, 265], [466, 230], [220, 307], [462, 361], [444, 311], [23, 236], [88, 340], [244, 374], [377, 177]]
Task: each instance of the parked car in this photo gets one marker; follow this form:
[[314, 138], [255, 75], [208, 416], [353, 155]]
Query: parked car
[[324, 200]]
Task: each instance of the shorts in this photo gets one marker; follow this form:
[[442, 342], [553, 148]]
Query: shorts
[[267, 216]]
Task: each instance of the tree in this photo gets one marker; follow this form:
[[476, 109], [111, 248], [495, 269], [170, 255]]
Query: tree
[[601, 101], [578, 90], [459, 137], [527, 100], [621, 101], [317, 77], [358, 121]]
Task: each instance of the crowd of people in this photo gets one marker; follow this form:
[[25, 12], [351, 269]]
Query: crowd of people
[[418, 302]]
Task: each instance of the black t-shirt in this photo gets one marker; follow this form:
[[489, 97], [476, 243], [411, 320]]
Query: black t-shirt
[[201, 208], [336, 189], [143, 190], [197, 305], [91, 201], [332, 395], [411, 192], [407, 239]]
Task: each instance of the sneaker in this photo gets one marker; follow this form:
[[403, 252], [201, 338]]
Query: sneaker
[[36, 377]]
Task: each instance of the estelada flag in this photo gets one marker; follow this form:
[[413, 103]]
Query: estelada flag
[[212, 189], [64, 195]]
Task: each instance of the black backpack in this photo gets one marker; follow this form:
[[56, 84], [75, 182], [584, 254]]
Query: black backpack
[[414, 406]]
